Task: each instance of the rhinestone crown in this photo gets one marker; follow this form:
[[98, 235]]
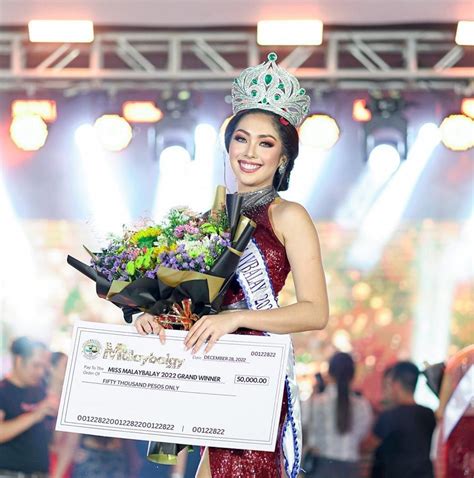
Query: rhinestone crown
[[270, 87]]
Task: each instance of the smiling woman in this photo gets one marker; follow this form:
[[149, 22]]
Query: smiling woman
[[261, 134], [262, 142]]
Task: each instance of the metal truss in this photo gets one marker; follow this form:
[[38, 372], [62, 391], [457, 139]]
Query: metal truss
[[208, 60]]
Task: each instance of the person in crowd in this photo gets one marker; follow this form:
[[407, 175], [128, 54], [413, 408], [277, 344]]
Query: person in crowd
[[386, 403], [87, 456], [402, 434], [338, 420], [24, 405], [262, 142]]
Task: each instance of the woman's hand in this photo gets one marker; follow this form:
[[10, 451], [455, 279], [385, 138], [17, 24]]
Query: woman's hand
[[148, 324], [211, 328]]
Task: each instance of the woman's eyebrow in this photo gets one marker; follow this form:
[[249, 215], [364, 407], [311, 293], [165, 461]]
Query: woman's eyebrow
[[259, 136]]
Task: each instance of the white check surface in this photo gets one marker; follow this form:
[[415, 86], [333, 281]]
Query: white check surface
[[121, 384]]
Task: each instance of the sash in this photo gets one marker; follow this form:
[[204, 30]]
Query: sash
[[252, 275], [458, 403]]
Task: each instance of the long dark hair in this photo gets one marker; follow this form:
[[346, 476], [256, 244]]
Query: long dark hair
[[288, 136], [341, 369]]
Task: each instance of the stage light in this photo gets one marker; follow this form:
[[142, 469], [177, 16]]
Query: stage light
[[113, 132], [61, 31], [457, 132], [46, 109], [388, 125], [85, 136], [28, 132], [383, 160], [290, 32], [141, 112], [467, 107], [319, 131], [360, 112], [465, 33], [179, 122]]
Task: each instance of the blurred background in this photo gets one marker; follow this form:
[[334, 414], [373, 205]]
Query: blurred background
[[124, 120]]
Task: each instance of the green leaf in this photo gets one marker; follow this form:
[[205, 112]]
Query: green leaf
[[130, 268], [208, 228]]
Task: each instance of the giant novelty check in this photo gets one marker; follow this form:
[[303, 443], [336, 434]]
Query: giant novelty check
[[121, 384]]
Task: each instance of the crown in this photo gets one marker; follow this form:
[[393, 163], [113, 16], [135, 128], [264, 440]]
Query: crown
[[270, 87]]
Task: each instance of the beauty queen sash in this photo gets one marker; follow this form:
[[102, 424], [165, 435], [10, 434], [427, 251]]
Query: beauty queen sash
[[252, 275]]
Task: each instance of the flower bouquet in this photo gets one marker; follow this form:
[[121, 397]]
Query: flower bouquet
[[177, 270]]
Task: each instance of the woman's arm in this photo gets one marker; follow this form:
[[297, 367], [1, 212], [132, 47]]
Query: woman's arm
[[295, 229]]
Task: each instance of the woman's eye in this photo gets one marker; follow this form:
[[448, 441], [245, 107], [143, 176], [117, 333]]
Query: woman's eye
[[266, 144], [240, 139]]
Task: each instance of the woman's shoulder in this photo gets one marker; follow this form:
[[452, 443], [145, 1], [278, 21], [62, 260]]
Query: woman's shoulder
[[289, 212]]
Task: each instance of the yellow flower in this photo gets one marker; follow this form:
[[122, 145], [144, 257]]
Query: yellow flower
[[149, 232]]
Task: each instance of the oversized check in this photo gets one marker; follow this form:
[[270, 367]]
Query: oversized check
[[122, 384]]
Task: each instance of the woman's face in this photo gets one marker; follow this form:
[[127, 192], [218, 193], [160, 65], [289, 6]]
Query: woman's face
[[255, 152]]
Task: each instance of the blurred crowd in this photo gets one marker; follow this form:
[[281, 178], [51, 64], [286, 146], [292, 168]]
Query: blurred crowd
[[30, 447], [345, 436]]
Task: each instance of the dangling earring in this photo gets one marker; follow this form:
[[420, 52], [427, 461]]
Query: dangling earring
[[281, 168]]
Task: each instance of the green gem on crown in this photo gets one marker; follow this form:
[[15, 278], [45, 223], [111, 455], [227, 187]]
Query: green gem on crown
[[272, 56], [302, 91], [254, 81], [277, 97], [268, 78]]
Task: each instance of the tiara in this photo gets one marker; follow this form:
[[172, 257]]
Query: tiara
[[270, 87]]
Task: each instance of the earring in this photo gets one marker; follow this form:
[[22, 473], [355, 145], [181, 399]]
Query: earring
[[281, 168]]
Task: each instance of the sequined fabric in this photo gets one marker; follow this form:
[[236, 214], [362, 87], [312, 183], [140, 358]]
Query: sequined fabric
[[230, 463], [272, 250]]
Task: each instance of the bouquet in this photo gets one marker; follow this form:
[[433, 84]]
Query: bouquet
[[177, 270]]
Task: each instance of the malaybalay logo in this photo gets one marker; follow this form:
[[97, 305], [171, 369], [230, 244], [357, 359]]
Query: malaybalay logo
[[122, 352]]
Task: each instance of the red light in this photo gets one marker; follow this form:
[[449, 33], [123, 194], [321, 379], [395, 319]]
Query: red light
[[467, 107], [360, 112]]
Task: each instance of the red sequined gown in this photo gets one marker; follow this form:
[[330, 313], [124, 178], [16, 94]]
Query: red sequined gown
[[232, 463]]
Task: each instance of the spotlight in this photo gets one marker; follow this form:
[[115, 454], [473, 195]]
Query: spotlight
[[141, 112], [61, 31], [457, 132], [28, 132], [113, 132], [290, 32], [467, 107], [387, 126], [465, 33], [360, 112], [383, 160], [319, 131], [46, 109], [178, 125]]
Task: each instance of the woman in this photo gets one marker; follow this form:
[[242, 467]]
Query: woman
[[455, 446], [262, 142], [338, 420]]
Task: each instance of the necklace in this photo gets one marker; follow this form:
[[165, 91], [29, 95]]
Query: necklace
[[254, 199]]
